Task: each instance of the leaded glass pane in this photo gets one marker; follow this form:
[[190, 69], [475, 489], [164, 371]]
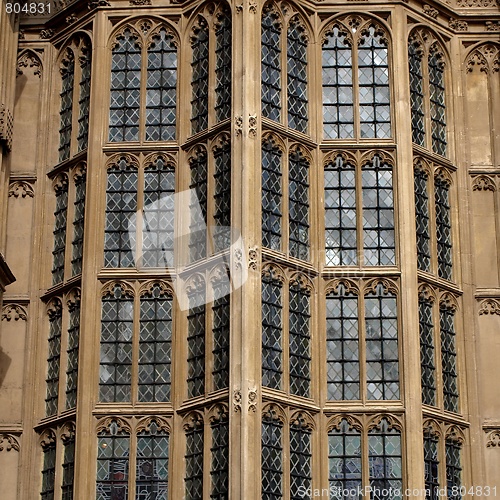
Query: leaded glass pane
[[84, 102], [453, 469], [158, 218], [297, 77], [78, 226], [221, 312], [378, 213], [121, 208], [272, 459], [272, 333], [194, 464], [443, 228], [437, 102], [342, 346], [60, 219], [196, 345], [72, 354], [198, 207], [68, 467], [422, 220], [385, 462], [222, 197], [219, 468], [382, 366], [155, 346], [449, 359], [300, 461], [416, 95], [431, 467], [116, 347], [152, 465], [48, 472], [199, 79], [374, 92], [113, 454], [223, 67], [271, 196], [427, 362], [340, 213], [299, 341], [298, 205], [53, 360], [271, 67], [66, 111], [125, 89], [338, 103], [161, 96], [344, 456]]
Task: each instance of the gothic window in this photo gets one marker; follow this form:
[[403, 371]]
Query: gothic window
[[422, 217], [416, 95], [437, 102], [78, 224], [200, 77], [193, 479], [443, 227], [72, 353], [360, 106], [48, 470], [300, 458], [220, 333], [196, 344], [431, 461], [272, 457], [66, 111], [449, 358], [84, 100], [222, 196], [199, 205], [54, 357], [223, 67], [453, 451], [219, 451], [68, 466], [60, 216], [427, 351]]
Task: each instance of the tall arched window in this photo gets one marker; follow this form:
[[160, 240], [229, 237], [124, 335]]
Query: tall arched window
[[199, 78], [84, 100], [66, 112]]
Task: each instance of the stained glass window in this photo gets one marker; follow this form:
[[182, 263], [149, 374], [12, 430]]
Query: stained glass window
[[60, 219], [416, 95], [453, 469], [378, 213], [342, 345], [222, 197], [300, 460], [340, 213], [220, 333], [385, 461], [72, 354], [48, 471], [382, 368], [272, 458], [443, 227], [297, 77], [422, 220], [198, 207], [199, 78], [223, 67], [449, 359], [219, 468], [437, 102], [427, 356], [68, 467], [338, 103], [344, 455], [53, 358], [272, 332], [271, 195], [84, 101], [151, 476], [298, 205], [196, 345], [121, 207], [66, 111], [155, 346], [125, 89], [431, 466], [161, 88], [116, 347], [194, 463], [78, 225], [113, 455], [271, 67]]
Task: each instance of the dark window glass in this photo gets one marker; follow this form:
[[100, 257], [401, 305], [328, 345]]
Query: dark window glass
[[222, 197], [437, 102], [68, 467], [121, 207], [378, 213], [271, 67], [78, 225], [416, 95], [84, 101], [161, 88], [443, 227], [272, 333], [60, 219], [72, 353], [453, 469], [155, 346], [219, 468], [116, 347], [196, 345], [382, 368], [53, 359], [340, 213], [199, 79], [223, 68], [272, 458], [427, 356], [66, 112], [422, 220], [344, 456], [338, 104], [125, 89], [271, 196], [198, 207], [297, 77], [300, 460], [342, 346], [449, 359], [220, 332], [48, 472], [194, 464], [431, 466], [298, 205]]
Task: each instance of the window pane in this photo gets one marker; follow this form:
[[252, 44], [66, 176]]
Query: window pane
[[48, 472], [272, 459], [431, 466], [453, 469], [198, 207], [60, 219], [300, 460], [72, 353], [222, 197], [68, 467], [219, 468], [298, 205], [416, 95], [66, 111], [194, 464], [84, 101], [78, 225], [427, 362], [199, 79], [422, 221], [220, 333], [449, 359], [271, 67], [223, 67], [443, 227], [437, 101], [196, 346], [271, 196], [53, 358]]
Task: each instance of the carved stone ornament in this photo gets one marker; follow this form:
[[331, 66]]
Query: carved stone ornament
[[14, 312], [237, 400], [47, 438], [238, 126], [46, 34], [140, 2], [426, 293], [193, 420], [9, 442], [93, 4], [68, 431], [454, 433], [493, 438], [483, 183], [486, 57], [489, 306], [352, 422], [73, 298], [392, 422], [303, 282], [492, 25], [252, 125], [117, 289], [113, 426], [252, 400], [152, 425], [253, 258], [342, 285], [430, 11], [388, 286], [303, 420], [29, 59], [218, 413], [273, 272], [21, 189], [448, 301], [477, 3], [273, 412], [71, 19], [457, 25]]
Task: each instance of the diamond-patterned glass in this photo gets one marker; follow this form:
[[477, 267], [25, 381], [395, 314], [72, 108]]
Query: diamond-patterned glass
[[53, 362], [449, 359], [219, 468], [272, 459], [220, 334], [78, 226], [437, 103], [196, 347], [222, 197], [422, 220], [300, 461], [427, 362], [68, 467], [66, 111], [48, 472], [198, 223], [443, 228], [223, 68], [431, 466], [84, 102], [199, 79], [152, 465], [72, 355], [453, 469], [416, 95], [271, 67], [193, 480], [60, 219]]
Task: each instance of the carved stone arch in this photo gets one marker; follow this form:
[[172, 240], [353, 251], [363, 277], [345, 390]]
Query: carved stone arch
[[388, 286], [198, 23], [275, 140], [476, 60], [302, 26], [79, 170], [60, 182], [392, 422], [342, 25], [66, 57], [455, 433], [335, 422], [347, 157], [115, 160], [273, 8], [218, 413], [438, 50], [9, 442], [425, 37], [73, 298], [423, 165], [168, 160], [426, 293], [21, 189], [54, 307], [220, 141], [221, 9], [489, 306], [272, 411], [484, 183], [195, 283], [170, 31], [381, 30], [113, 425], [218, 274], [273, 272], [162, 424], [47, 438], [198, 151], [485, 56], [432, 428], [193, 420], [119, 32], [492, 438], [302, 150], [351, 287], [302, 281], [68, 431], [109, 289], [384, 156], [448, 301], [29, 59], [415, 39], [146, 289], [444, 175], [303, 420], [14, 312]]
